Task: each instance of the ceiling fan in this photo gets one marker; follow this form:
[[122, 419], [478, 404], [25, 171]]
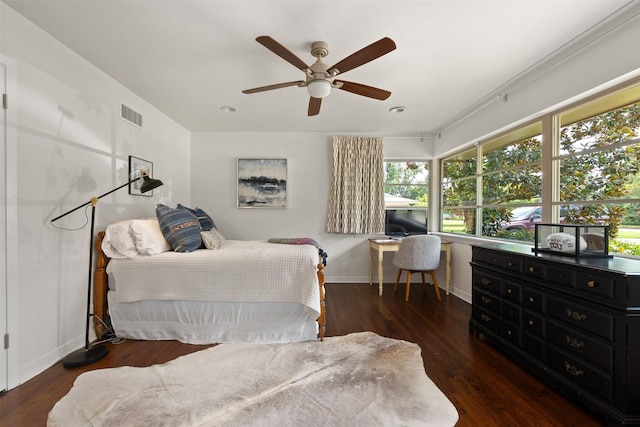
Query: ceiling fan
[[320, 78]]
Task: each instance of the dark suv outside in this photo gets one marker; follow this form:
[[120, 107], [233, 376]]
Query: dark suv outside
[[524, 218]]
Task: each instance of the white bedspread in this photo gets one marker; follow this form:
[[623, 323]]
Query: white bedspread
[[240, 271]]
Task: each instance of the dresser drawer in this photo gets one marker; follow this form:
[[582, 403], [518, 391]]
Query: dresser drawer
[[597, 382], [487, 301], [488, 281], [496, 259], [533, 298], [535, 269], [533, 345], [487, 319], [592, 350], [561, 276], [533, 323], [512, 291], [589, 318], [512, 263], [596, 284], [511, 333], [512, 312], [487, 257]]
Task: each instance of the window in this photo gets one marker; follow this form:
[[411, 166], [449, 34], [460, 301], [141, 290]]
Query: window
[[459, 192], [406, 184], [598, 157], [591, 174], [509, 175]]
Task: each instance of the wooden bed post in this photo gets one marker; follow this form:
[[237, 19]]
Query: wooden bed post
[[322, 319], [100, 287]]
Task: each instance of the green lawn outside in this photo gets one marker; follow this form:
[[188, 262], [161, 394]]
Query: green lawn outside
[[628, 233]]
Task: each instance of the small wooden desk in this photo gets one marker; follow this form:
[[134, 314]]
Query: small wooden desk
[[391, 245]]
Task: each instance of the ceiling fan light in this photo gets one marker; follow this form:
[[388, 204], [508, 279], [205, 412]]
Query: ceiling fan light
[[319, 88]]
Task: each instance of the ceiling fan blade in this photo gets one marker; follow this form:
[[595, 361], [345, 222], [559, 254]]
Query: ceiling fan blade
[[276, 86], [364, 55], [282, 52], [314, 106], [364, 90]]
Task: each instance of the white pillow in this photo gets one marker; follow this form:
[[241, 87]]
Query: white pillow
[[118, 241], [564, 242], [149, 239], [212, 239]]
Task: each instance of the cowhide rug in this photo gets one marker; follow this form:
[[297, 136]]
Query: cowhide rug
[[352, 380]]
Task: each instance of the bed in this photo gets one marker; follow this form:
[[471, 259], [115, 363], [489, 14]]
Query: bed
[[243, 291]]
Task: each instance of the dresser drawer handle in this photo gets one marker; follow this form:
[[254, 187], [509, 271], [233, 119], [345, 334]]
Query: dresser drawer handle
[[574, 342], [486, 300], [573, 370], [509, 291], [591, 284], [530, 322], [574, 315], [531, 299], [485, 281], [510, 264], [485, 318], [531, 269]]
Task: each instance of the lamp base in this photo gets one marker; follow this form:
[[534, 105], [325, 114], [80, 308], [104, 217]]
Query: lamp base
[[84, 357]]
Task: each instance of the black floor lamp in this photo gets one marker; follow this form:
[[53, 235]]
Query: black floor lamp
[[89, 353]]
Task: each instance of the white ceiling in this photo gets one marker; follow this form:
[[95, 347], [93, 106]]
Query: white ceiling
[[189, 58]]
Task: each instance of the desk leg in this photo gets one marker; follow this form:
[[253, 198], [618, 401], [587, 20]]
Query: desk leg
[[370, 266], [448, 269], [380, 272]]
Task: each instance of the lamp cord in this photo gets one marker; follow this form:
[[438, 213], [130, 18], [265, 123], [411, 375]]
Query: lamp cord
[[110, 335], [86, 221]]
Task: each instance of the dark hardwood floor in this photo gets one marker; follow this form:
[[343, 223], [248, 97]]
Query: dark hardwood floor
[[487, 388]]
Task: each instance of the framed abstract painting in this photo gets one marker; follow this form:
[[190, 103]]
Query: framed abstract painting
[[262, 183]]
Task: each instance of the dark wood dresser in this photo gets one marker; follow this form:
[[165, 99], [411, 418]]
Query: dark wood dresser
[[574, 322]]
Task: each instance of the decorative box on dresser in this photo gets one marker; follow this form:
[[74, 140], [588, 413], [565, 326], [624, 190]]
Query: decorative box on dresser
[[574, 322]]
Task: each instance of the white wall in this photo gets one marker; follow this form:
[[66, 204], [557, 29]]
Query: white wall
[[67, 126]]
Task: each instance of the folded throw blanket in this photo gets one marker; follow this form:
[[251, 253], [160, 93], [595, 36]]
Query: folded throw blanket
[[301, 241]]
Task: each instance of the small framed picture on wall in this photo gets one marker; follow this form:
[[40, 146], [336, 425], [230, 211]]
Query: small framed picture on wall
[[262, 183], [136, 166]]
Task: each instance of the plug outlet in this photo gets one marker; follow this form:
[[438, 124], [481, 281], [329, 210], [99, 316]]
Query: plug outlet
[[345, 266]]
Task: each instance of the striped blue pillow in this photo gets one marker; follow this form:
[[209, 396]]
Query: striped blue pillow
[[180, 228], [205, 220]]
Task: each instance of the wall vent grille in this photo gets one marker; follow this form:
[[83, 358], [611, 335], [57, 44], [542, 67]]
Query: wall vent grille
[[131, 115]]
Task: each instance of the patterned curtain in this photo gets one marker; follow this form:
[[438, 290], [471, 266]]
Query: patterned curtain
[[356, 198]]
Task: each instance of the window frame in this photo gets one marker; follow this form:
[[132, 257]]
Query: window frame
[[550, 161]]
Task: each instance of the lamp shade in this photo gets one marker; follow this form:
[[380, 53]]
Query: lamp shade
[[149, 184], [319, 88]]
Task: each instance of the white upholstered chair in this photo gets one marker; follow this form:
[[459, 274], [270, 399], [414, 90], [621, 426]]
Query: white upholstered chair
[[418, 254]]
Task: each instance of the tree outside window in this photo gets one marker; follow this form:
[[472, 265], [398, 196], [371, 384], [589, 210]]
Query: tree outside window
[[595, 173], [406, 184]]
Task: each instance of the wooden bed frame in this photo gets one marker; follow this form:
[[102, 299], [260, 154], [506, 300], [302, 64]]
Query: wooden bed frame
[[100, 288]]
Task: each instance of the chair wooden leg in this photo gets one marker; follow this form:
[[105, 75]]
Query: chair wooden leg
[[395, 288], [406, 297], [424, 281], [435, 284]]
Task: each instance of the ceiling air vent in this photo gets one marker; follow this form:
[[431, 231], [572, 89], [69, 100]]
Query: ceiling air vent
[[130, 115]]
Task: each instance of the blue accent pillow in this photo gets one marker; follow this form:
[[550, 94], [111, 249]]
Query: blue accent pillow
[[180, 228], [205, 220]]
